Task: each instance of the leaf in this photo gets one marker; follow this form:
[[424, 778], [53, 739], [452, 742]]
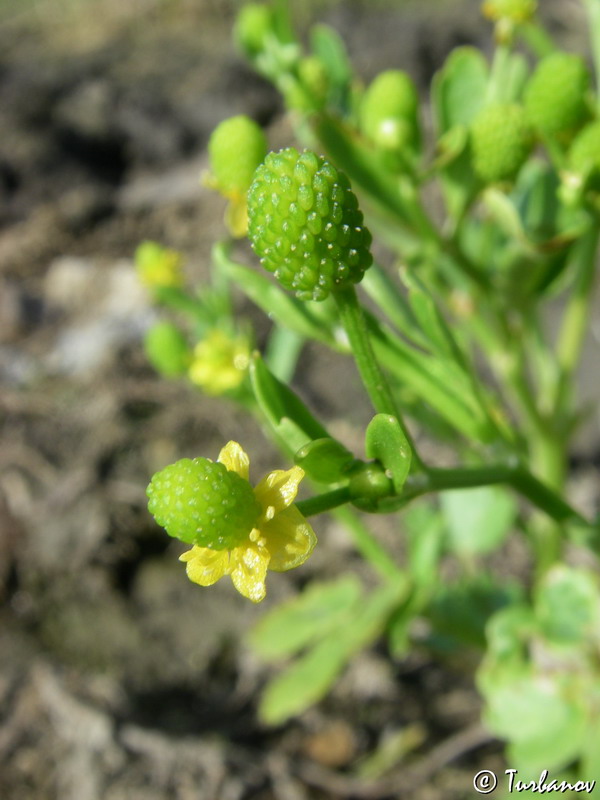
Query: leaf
[[303, 683], [328, 45], [478, 520], [309, 677], [567, 606], [425, 529], [321, 608], [458, 89], [545, 728], [290, 419], [286, 310], [385, 441], [324, 460]]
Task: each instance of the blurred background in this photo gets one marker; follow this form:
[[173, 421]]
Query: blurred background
[[119, 679]]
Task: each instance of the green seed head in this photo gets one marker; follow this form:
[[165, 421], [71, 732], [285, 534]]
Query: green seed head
[[584, 154], [253, 24], [389, 111], [167, 349], [237, 146], [200, 502], [305, 224], [512, 10], [500, 141], [555, 96]]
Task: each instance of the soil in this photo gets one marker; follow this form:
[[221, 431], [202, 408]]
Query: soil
[[119, 678]]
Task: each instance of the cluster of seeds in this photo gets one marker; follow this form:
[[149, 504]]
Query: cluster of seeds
[[501, 141], [305, 224], [201, 502], [556, 95]]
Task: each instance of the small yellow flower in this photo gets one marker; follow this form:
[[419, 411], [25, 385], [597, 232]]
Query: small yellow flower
[[158, 267], [281, 539], [220, 362]]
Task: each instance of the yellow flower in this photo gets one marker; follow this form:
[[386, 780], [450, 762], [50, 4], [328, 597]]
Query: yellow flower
[[281, 539], [220, 362], [158, 267]]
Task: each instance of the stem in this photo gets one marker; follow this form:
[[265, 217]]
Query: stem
[[368, 546], [373, 379], [520, 479], [576, 318], [593, 10], [323, 502]]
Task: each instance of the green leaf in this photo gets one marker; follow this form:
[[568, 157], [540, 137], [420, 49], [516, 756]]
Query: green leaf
[[321, 608], [328, 45], [385, 441], [458, 89], [303, 683], [567, 606], [505, 214], [309, 677], [425, 529], [460, 611], [290, 419], [544, 724], [478, 520], [284, 308], [324, 460]]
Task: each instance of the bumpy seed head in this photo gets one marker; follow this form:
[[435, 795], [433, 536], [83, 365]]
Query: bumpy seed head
[[200, 502], [305, 224], [584, 154], [513, 10], [236, 148], [253, 24], [167, 349], [501, 141], [555, 97], [389, 111]]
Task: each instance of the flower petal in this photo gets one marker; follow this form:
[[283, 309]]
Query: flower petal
[[278, 490], [249, 571], [290, 539], [205, 566], [235, 459]]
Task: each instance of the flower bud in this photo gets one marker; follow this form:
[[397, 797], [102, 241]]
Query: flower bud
[[389, 111]]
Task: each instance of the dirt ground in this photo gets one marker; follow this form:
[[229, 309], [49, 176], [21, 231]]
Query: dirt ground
[[119, 679]]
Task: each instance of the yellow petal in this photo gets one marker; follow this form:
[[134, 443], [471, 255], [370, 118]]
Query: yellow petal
[[205, 566], [236, 217], [235, 459], [249, 571], [278, 490], [290, 539]]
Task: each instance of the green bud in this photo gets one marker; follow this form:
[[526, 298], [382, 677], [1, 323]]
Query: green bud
[[512, 10], [500, 142], [201, 502], [584, 154], [389, 111], [237, 146], [167, 349], [305, 224], [253, 24], [555, 97]]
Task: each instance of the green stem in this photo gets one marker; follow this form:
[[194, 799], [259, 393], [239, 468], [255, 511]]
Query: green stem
[[373, 379], [537, 38], [320, 503], [520, 479], [282, 351], [368, 546], [576, 318], [593, 11]]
